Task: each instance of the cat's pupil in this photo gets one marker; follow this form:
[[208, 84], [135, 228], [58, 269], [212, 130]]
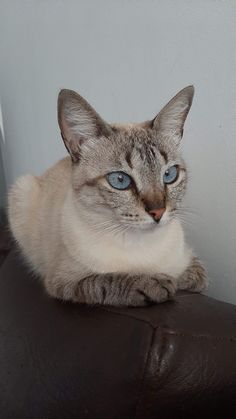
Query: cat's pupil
[[167, 172], [120, 178]]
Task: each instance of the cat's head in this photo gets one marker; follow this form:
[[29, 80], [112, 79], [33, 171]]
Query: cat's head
[[125, 176]]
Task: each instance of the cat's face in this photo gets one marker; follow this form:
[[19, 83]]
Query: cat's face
[[125, 177]]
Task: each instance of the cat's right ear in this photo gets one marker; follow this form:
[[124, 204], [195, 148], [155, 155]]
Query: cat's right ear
[[78, 122]]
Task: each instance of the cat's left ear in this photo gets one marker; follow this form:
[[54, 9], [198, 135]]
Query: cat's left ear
[[78, 122], [170, 120]]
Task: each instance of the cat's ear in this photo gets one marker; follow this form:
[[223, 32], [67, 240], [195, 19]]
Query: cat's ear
[[171, 119], [78, 122]]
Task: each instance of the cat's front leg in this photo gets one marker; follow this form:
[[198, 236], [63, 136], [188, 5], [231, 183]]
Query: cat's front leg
[[117, 289], [194, 278]]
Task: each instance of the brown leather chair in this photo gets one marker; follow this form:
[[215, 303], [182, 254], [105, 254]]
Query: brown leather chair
[[63, 361]]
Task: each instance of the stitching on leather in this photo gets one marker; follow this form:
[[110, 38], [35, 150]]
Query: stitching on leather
[[140, 393], [231, 339]]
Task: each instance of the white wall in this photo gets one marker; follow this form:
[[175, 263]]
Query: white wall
[[128, 58]]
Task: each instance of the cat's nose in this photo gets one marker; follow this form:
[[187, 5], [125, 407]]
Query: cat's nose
[[157, 213]]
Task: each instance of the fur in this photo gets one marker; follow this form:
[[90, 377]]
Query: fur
[[96, 244]]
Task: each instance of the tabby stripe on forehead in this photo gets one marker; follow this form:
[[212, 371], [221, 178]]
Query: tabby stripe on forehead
[[139, 150], [145, 153], [150, 154], [152, 151], [164, 155], [128, 159]]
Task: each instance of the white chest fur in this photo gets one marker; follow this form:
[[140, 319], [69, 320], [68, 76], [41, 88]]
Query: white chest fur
[[162, 250]]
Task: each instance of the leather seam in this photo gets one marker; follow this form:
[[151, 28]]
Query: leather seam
[[130, 316], [140, 392], [231, 339]]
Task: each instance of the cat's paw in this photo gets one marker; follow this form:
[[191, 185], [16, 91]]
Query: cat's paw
[[152, 290], [194, 278], [59, 289]]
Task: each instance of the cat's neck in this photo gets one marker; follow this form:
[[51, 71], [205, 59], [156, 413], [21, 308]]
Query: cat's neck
[[106, 251]]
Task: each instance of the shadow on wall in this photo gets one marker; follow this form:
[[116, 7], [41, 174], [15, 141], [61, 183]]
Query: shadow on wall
[[2, 177], [5, 238]]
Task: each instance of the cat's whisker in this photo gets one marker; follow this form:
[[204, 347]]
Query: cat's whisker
[[186, 213], [188, 210], [109, 227], [182, 216], [183, 221]]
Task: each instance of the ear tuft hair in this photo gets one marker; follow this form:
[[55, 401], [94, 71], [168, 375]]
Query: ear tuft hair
[[171, 118], [78, 121]]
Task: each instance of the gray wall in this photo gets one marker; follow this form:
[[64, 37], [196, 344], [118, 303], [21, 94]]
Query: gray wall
[[128, 58]]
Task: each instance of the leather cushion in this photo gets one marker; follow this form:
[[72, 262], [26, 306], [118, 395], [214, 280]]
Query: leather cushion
[[64, 360]]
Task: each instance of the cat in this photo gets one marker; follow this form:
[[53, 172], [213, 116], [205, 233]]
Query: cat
[[101, 226]]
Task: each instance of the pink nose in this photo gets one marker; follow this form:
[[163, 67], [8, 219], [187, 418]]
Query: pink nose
[[157, 213]]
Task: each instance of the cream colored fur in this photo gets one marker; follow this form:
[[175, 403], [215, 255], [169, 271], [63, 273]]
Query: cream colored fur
[[46, 224]]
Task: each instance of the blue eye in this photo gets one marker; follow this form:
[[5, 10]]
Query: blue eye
[[119, 180], [171, 175]]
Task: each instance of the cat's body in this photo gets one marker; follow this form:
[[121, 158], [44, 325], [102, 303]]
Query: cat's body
[[93, 243], [53, 233]]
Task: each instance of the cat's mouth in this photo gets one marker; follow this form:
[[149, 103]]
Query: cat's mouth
[[147, 224]]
